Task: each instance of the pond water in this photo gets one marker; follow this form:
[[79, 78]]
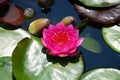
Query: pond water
[[63, 8]]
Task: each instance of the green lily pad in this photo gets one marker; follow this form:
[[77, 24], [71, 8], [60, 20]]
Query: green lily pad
[[119, 24], [5, 68], [100, 3], [91, 45], [9, 40], [102, 74], [30, 62], [111, 35]]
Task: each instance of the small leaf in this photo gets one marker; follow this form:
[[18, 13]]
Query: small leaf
[[9, 40], [5, 68], [111, 35], [31, 63], [91, 45], [102, 74]]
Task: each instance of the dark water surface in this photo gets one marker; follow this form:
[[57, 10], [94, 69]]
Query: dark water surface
[[63, 8]]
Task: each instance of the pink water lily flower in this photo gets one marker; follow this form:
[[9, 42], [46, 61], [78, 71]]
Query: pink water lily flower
[[61, 40]]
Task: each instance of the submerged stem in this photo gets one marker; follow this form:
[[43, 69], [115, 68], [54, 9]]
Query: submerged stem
[[83, 24]]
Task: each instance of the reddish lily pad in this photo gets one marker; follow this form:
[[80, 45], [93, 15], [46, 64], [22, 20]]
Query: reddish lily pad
[[14, 16], [4, 2], [3, 10], [99, 15], [31, 63]]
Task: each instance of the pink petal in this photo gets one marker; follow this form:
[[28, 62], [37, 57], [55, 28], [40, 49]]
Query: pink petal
[[72, 51], [69, 45], [57, 47], [55, 52], [77, 43], [64, 49], [60, 26], [66, 46], [51, 27], [74, 33], [45, 33], [44, 42], [49, 44], [70, 27], [80, 40]]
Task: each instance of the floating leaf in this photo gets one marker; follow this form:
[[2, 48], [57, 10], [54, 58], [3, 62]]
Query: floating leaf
[[119, 24], [103, 16], [31, 63], [9, 40], [100, 3], [4, 2], [91, 45], [111, 35], [102, 74], [5, 68], [14, 16]]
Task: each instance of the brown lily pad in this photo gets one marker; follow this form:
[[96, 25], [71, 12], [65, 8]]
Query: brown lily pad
[[99, 15], [4, 2], [14, 16], [3, 10]]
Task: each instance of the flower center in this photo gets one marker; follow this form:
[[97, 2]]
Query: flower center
[[61, 37]]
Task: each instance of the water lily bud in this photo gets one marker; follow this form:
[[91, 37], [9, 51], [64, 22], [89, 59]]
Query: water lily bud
[[36, 26], [29, 13], [68, 20], [45, 3]]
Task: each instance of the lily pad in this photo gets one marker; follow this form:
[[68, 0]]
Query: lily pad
[[30, 62], [102, 74], [100, 3], [111, 35], [103, 15], [4, 2], [5, 68], [9, 40], [91, 45], [14, 16]]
